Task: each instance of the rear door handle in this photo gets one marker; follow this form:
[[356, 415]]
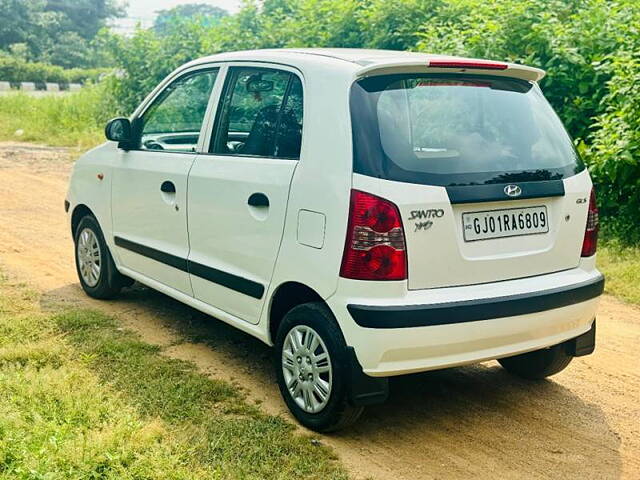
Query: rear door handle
[[258, 200], [168, 187]]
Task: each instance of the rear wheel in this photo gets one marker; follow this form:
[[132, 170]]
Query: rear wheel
[[97, 272], [312, 369], [539, 363]]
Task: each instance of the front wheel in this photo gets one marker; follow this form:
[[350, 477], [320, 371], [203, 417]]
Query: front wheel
[[96, 270], [312, 369], [539, 363]]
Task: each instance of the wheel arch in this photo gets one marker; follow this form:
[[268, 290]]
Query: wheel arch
[[361, 390], [287, 296], [80, 211]]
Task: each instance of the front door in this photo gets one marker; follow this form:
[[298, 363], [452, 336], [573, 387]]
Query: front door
[[238, 193], [149, 190]]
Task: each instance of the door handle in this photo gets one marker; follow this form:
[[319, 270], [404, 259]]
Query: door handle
[[168, 187], [258, 200]]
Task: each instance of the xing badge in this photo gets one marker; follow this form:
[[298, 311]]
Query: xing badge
[[424, 218], [423, 225]]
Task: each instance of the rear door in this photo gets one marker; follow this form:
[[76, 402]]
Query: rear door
[[149, 187], [486, 179], [238, 192]]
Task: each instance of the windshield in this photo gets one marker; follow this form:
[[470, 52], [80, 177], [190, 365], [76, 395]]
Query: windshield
[[457, 130]]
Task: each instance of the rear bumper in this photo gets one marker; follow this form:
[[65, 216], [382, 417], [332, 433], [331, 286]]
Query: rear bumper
[[395, 333], [407, 316]]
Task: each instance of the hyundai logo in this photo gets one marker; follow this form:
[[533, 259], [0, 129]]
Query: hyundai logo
[[513, 190]]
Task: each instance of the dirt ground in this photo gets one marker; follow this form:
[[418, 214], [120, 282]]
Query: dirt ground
[[459, 423]]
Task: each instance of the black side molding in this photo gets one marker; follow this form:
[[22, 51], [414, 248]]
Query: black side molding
[[495, 192], [371, 316], [228, 280], [152, 253], [239, 284]]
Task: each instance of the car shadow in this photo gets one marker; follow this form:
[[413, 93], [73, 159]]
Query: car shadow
[[463, 420]]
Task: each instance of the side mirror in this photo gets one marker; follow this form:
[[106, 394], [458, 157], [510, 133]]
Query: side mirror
[[119, 130]]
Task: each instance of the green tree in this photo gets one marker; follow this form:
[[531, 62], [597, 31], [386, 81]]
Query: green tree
[[589, 48], [203, 14], [58, 31], [21, 21], [84, 17]]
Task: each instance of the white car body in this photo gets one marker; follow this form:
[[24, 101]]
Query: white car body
[[250, 254]]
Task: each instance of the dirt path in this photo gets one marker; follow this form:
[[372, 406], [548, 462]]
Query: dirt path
[[460, 423]]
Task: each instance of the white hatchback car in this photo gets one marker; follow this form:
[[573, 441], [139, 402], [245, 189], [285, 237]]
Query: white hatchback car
[[369, 213]]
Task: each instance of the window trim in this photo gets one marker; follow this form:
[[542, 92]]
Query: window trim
[[219, 100], [162, 87]]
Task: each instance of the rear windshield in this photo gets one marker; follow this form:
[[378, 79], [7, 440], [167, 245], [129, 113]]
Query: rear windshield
[[457, 130]]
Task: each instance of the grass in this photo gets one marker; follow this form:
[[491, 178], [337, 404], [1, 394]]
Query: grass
[[70, 120], [621, 266], [81, 397]]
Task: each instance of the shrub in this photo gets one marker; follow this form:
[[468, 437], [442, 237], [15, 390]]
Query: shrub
[[16, 70], [614, 155], [589, 48]]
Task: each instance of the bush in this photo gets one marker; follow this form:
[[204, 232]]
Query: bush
[[574, 40], [614, 155], [16, 70], [567, 38], [591, 52], [589, 48]]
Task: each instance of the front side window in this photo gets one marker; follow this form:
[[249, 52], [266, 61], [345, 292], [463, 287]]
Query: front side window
[[458, 130], [174, 120], [260, 115]]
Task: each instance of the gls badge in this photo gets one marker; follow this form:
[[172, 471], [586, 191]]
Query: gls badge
[[512, 190]]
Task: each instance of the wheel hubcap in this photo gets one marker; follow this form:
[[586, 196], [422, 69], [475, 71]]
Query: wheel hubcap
[[89, 257], [306, 366]]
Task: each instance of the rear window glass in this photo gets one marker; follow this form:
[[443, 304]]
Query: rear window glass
[[457, 130]]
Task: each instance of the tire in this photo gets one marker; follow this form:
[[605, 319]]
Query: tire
[[106, 282], [334, 412], [539, 363]]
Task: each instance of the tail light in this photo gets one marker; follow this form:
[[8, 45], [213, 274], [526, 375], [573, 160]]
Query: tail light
[[375, 246], [590, 242]]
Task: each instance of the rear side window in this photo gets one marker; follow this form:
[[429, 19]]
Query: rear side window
[[260, 115], [457, 130]]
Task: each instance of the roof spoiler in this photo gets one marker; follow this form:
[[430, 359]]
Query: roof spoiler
[[434, 64]]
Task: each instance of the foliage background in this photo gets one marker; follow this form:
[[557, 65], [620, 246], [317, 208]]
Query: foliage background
[[60, 32], [589, 48], [15, 70]]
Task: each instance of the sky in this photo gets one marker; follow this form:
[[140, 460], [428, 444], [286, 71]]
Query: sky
[[144, 11]]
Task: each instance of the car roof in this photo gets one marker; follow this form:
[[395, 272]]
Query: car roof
[[358, 56], [370, 61]]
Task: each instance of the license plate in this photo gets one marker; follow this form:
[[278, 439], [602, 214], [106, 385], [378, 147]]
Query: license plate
[[510, 222]]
